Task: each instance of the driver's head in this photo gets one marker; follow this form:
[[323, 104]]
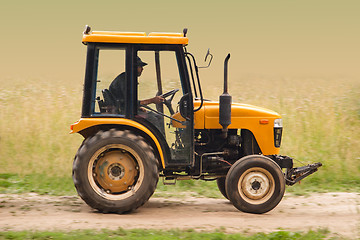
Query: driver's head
[[140, 64]]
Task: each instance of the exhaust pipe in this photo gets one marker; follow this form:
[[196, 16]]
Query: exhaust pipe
[[225, 102]]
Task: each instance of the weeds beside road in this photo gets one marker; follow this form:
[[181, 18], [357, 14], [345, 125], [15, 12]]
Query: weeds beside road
[[141, 234]]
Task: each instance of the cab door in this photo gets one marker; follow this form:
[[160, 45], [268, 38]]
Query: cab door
[[164, 74]]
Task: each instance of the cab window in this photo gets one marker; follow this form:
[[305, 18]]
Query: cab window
[[110, 84]]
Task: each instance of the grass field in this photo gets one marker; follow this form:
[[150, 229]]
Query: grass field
[[321, 122]]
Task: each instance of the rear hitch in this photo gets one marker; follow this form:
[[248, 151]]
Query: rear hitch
[[294, 175]]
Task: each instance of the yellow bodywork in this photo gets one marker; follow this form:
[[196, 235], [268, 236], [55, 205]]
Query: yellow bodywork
[[135, 37], [85, 123], [259, 121]]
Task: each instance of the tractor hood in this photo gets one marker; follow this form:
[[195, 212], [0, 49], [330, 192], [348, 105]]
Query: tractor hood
[[260, 121], [241, 115]]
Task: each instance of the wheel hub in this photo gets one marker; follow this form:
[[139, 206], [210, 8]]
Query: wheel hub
[[115, 171], [255, 185]]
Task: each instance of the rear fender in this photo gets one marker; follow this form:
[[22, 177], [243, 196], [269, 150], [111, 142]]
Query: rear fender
[[89, 126]]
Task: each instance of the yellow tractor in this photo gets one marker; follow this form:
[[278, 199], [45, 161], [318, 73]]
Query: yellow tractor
[[131, 139]]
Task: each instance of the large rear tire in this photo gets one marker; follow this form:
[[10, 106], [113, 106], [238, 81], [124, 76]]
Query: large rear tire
[[115, 171], [255, 184]]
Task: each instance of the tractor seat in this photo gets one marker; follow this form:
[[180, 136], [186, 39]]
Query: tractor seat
[[110, 104], [108, 97]]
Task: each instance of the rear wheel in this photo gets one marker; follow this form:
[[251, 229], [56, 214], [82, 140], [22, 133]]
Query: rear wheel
[[115, 171], [255, 184]]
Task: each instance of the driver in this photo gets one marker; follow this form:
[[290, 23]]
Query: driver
[[118, 87]]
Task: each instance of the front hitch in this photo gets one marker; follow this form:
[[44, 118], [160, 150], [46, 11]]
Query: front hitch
[[294, 175]]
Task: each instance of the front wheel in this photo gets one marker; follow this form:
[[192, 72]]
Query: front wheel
[[115, 171], [255, 184]]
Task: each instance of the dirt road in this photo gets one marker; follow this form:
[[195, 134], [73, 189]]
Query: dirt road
[[338, 212]]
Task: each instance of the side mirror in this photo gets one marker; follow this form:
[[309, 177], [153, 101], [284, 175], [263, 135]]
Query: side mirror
[[184, 107], [208, 54]]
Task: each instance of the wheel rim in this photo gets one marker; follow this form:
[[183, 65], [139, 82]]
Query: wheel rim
[[256, 185], [115, 172]]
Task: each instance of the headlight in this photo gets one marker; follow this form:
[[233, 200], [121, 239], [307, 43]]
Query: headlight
[[278, 123], [277, 132]]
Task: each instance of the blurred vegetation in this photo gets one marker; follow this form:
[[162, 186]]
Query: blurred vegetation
[[321, 124], [139, 234]]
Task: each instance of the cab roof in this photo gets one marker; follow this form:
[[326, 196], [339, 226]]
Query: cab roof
[[134, 37]]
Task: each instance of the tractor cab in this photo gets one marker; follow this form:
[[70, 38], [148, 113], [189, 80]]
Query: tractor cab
[[125, 71]]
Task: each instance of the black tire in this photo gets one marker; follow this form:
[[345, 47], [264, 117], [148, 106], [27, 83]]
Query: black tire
[[255, 184], [221, 185], [115, 171]]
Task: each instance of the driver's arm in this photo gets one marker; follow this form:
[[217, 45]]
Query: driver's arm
[[156, 100]]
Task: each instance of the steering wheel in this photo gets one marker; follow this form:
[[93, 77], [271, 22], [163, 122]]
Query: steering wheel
[[168, 96], [169, 93]]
